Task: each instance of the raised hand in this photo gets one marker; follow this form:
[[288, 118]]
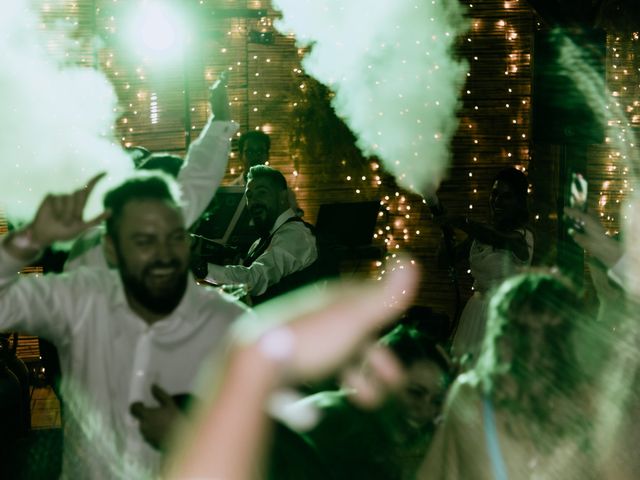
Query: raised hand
[[316, 333], [60, 217], [219, 100], [300, 336], [592, 237]]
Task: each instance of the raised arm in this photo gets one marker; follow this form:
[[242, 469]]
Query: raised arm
[[39, 305], [514, 241], [608, 254], [208, 155], [58, 219], [593, 238]]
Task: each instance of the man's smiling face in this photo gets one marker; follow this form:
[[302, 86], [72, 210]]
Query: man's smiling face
[[265, 203], [152, 254]]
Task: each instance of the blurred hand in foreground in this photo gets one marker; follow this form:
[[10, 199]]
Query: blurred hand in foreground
[[303, 336]]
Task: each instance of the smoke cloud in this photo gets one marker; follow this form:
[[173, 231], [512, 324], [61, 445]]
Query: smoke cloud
[[395, 80], [55, 118]]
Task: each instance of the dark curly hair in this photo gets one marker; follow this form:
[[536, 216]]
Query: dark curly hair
[[256, 135], [144, 185], [541, 305]]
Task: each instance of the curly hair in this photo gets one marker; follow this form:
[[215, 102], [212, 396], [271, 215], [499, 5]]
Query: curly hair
[[532, 319], [144, 185]]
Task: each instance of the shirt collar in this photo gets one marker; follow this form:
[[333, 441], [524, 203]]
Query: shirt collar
[[284, 216], [183, 310]]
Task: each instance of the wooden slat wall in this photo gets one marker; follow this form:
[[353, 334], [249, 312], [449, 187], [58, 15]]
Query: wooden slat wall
[[265, 86]]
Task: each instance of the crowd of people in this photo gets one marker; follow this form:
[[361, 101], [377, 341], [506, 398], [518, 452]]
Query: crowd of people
[[163, 376]]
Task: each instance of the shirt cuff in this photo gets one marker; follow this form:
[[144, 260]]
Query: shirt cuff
[[216, 274]]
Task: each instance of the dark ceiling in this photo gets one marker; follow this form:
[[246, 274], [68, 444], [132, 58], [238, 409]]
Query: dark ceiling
[[612, 15]]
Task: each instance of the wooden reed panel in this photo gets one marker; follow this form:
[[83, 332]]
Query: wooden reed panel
[[28, 348], [4, 225], [478, 152]]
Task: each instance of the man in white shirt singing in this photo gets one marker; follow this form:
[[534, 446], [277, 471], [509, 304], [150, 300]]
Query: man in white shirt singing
[[286, 251]]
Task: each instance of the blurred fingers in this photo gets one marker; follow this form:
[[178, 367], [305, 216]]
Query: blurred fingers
[[575, 213], [80, 197], [57, 206], [579, 237], [161, 395], [78, 201], [137, 409], [371, 383], [98, 219], [88, 188], [326, 328]]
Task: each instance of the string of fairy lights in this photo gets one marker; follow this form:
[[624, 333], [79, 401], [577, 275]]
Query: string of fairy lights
[[268, 84], [493, 132], [616, 182]]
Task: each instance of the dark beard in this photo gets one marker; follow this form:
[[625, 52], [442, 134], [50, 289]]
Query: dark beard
[[262, 225], [164, 302]]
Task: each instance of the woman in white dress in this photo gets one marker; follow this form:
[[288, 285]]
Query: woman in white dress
[[525, 410], [495, 251]]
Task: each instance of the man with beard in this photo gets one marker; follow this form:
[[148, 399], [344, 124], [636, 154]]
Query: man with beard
[[284, 255], [129, 339], [253, 149], [198, 176]]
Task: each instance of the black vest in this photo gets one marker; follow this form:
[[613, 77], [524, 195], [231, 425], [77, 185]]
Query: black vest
[[289, 282]]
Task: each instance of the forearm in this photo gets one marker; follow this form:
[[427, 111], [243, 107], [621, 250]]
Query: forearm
[[513, 241], [254, 277], [483, 233], [231, 436], [33, 304], [205, 166]]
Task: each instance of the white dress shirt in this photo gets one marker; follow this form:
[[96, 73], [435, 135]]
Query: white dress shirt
[[292, 248], [110, 357], [198, 179]]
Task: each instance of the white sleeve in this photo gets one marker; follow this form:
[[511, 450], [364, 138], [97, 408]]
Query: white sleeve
[[36, 304], [290, 250], [204, 167]]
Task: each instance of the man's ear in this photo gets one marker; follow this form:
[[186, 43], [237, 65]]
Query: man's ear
[[110, 251]]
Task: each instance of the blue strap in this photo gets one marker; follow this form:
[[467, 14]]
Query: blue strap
[[491, 434]]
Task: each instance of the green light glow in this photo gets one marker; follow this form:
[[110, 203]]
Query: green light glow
[[157, 32]]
